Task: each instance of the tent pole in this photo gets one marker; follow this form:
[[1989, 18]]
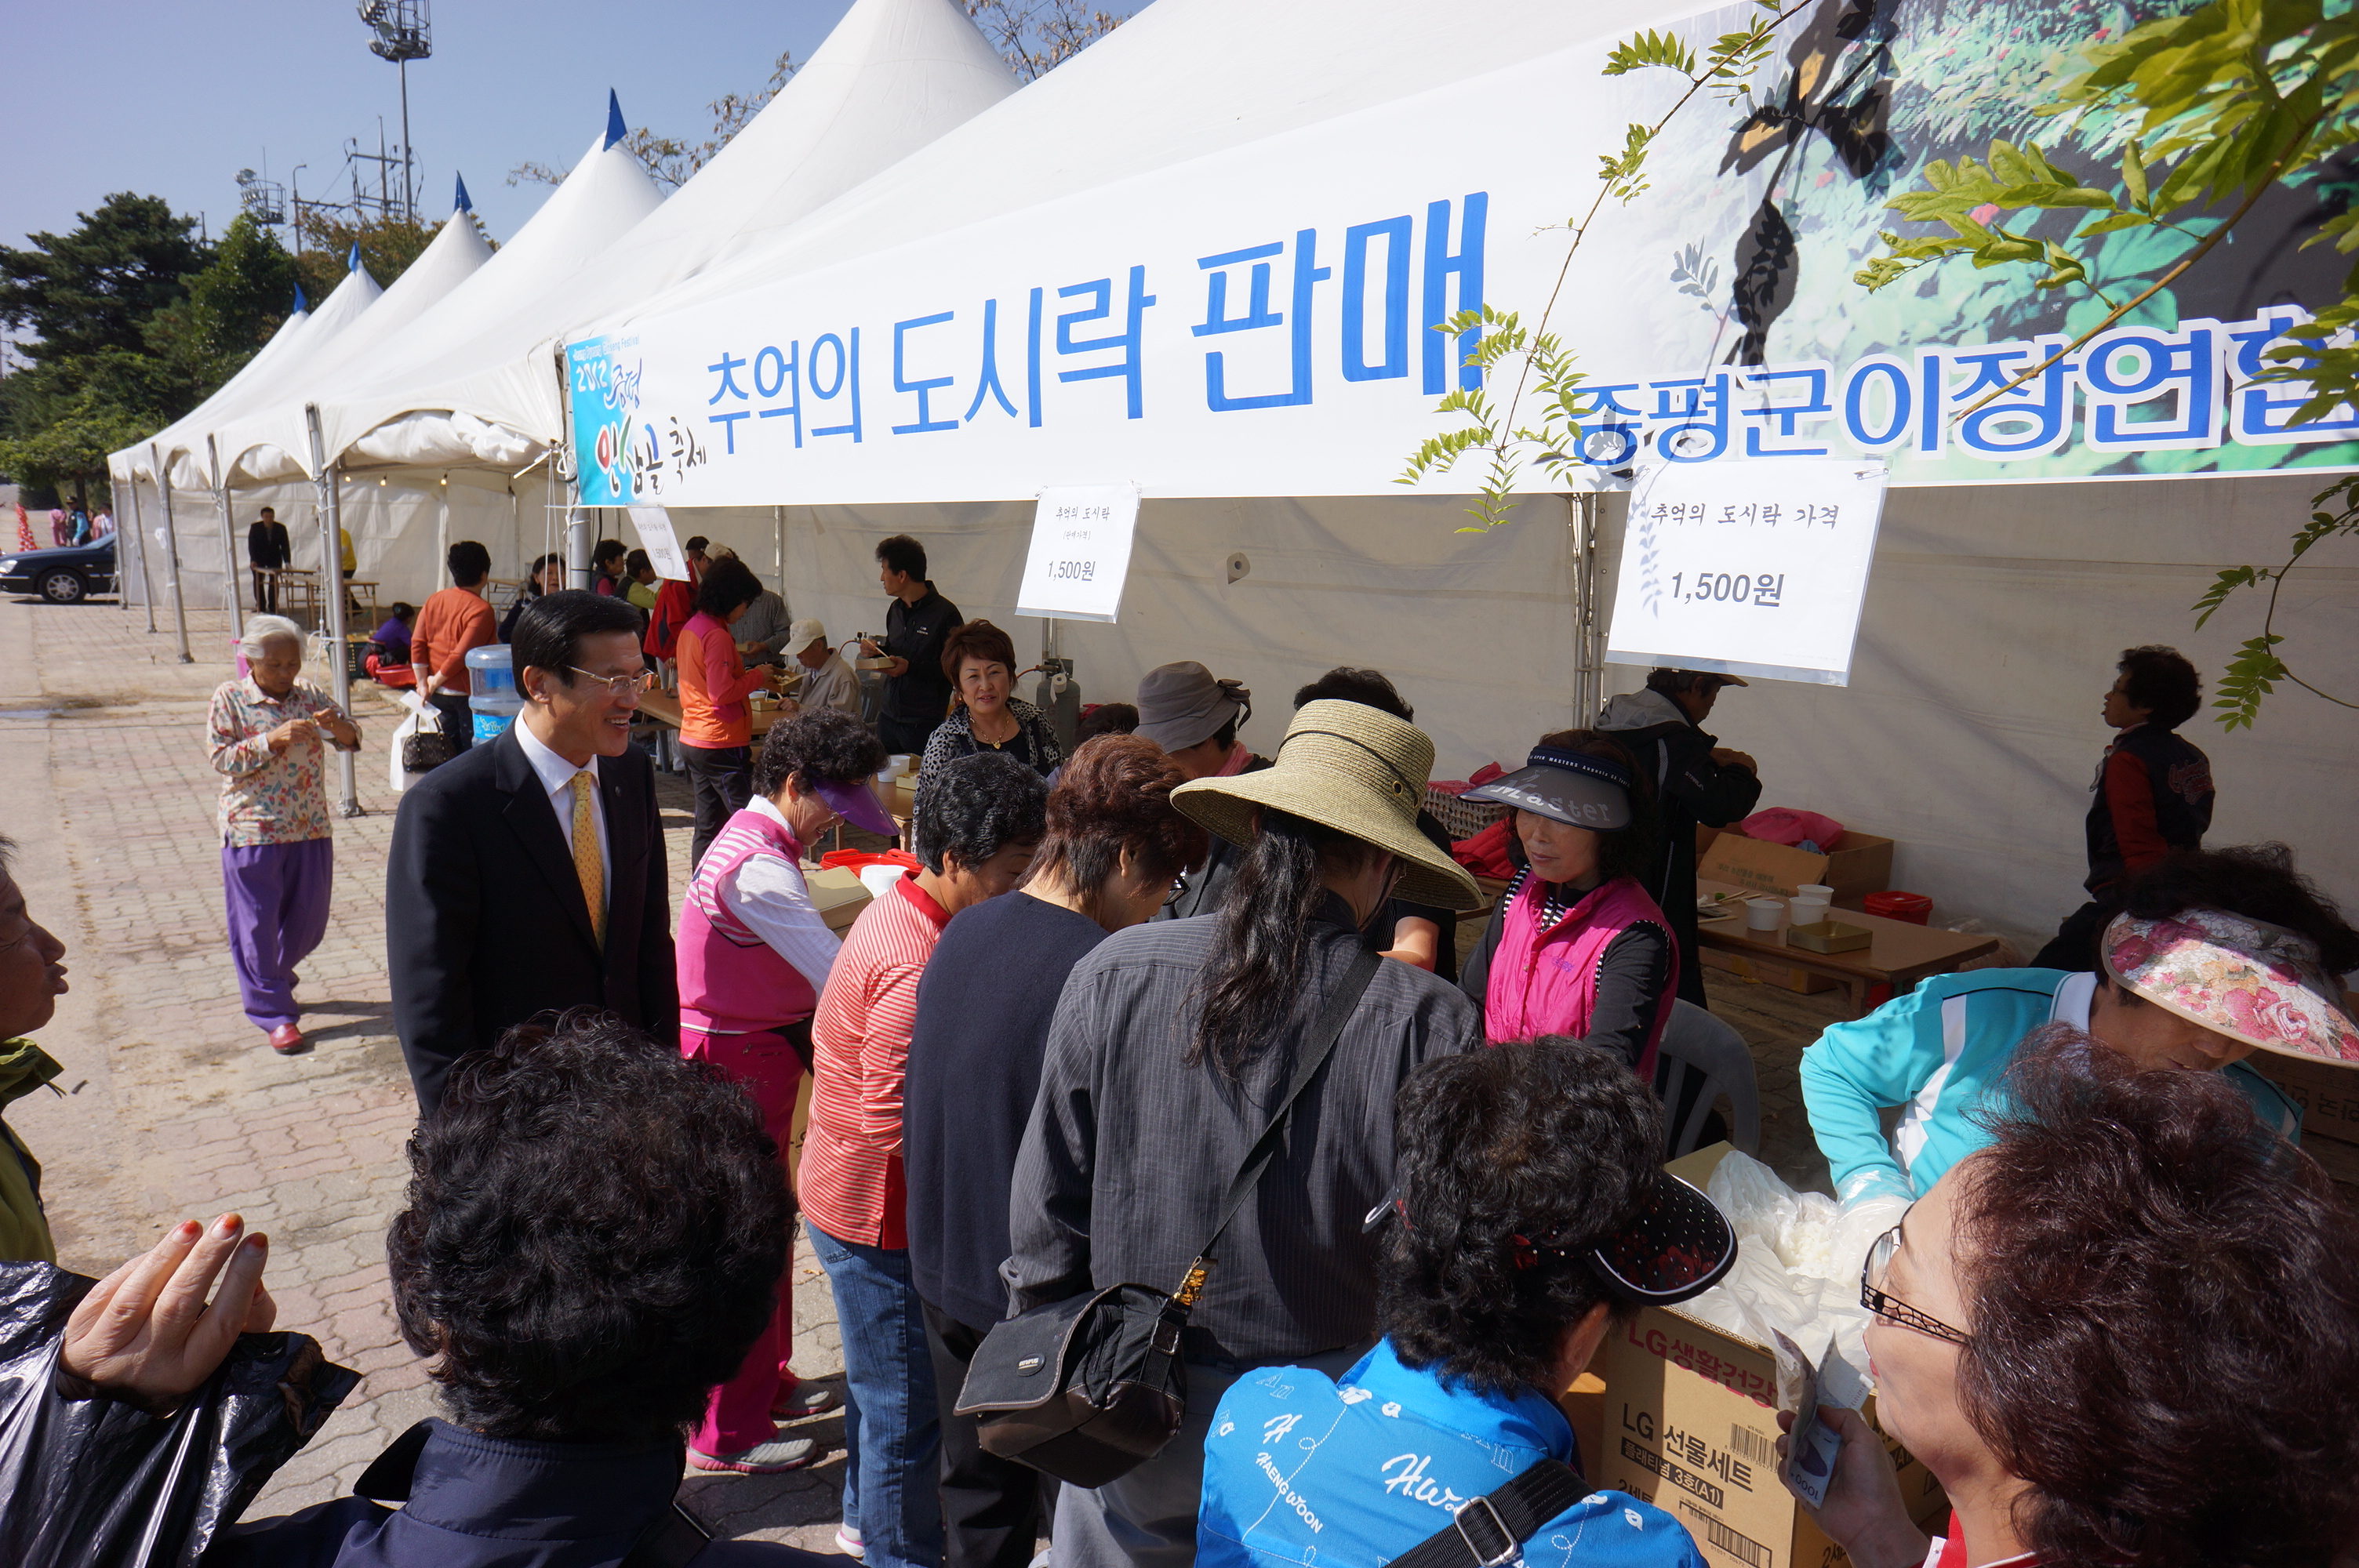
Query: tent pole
[[1588, 680], [229, 548], [172, 553], [778, 527], [139, 544], [333, 579]]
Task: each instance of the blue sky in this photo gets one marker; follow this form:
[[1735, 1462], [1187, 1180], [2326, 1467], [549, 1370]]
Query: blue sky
[[172, 99]]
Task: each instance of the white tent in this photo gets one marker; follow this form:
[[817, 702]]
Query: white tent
[[444, 418], [1994, 616], [249, 437]]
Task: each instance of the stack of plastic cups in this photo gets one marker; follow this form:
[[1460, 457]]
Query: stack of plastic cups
[[492, 697]]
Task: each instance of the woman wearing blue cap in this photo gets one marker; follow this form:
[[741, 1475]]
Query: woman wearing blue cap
[[1576, 947]]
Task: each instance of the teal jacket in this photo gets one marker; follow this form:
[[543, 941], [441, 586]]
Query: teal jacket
[[1940, 1052]]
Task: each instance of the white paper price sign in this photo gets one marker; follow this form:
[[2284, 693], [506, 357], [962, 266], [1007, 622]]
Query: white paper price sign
[[662, 545], [1080, 552], [1751, 568]]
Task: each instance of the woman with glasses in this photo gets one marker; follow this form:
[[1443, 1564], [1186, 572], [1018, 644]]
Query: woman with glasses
[[754, 953], [1531, 1219], [2126, 1333]]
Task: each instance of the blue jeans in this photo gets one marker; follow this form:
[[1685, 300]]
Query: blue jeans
[[892, 1436]]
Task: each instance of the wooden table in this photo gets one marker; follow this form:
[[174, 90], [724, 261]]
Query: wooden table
[[664, 707], [1901, 954]]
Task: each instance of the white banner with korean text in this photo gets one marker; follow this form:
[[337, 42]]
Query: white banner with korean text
[[1749, 569], [1261, 320]]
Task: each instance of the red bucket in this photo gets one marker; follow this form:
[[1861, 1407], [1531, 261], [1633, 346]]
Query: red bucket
[[1912, 907]]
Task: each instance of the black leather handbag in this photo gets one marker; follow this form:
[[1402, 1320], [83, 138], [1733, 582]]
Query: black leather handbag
[[1090, 1388], [424, 748]]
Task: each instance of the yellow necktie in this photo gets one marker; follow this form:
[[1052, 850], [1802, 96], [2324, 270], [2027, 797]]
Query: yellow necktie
[[587, 863]]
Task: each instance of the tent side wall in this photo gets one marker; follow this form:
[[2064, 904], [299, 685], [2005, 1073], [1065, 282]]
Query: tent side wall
[[1968, 735]]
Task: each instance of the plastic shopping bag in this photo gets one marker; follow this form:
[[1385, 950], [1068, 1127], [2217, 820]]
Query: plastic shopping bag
[[100, 1484]]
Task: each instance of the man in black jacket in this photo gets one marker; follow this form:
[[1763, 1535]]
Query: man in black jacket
[[267, 548], [527, 874], [916, 688], [1695, 779]]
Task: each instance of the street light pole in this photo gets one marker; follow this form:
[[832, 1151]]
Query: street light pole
[[409, 179]]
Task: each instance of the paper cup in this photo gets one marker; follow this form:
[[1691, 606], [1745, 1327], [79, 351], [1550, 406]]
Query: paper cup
[[1819, 891], [1808, 910], [1761, 913]]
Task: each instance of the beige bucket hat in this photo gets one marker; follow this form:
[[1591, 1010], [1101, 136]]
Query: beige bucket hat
[[1352, 768]]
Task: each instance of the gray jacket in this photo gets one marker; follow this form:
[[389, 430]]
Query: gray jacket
[[1129, 1149]]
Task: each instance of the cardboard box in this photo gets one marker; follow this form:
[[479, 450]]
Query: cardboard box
[[1859, 864], [1690, 1425], [839, 895]]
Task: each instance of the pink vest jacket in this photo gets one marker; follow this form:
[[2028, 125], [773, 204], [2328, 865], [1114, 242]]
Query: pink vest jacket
[[731, 981], [1545, 982]]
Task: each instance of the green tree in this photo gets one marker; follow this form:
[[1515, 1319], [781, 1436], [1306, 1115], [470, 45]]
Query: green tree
[[246, 293], [388, 247], [2212, 110], [92, 289]]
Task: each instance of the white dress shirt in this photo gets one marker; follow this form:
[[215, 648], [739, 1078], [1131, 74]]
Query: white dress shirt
[[556, 775], [767, 892]]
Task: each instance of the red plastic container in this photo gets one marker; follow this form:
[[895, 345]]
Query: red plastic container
[[854, 860], [1912, 907]]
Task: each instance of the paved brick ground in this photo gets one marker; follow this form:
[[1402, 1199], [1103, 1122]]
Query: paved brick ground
[[180, 1109], [194, 1115]]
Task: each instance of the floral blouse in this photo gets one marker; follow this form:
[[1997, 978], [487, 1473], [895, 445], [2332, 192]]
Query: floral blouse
[[267, 798], [1035, 743]]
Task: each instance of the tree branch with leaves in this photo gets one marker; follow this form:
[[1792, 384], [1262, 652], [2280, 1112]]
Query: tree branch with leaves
[[1546, 371], [2222, 105]]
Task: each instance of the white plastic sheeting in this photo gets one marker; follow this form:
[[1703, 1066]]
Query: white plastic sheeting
[[1969, 733]]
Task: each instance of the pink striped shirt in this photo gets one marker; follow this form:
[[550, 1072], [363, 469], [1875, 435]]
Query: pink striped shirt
[[853, 1186]]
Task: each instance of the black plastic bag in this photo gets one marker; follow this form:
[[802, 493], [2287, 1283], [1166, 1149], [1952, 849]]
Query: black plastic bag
[[96, 1484]]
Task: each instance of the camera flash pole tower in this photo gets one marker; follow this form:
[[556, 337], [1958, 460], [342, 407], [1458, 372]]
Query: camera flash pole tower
[[404, 33]]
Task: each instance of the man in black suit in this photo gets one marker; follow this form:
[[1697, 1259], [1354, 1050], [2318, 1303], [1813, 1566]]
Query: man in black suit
[[267, 549], [527, 874]]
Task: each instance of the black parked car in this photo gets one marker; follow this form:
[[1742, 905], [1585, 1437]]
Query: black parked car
[[65, 576]]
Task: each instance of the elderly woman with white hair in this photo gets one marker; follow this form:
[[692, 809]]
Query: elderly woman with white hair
[[268, 736]]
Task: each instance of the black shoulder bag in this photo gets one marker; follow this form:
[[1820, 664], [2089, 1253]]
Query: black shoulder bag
[[1090, 1388]]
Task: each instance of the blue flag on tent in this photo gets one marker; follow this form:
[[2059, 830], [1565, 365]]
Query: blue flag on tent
[[463, 204], [353, 261], [615, 131], [301, 304]]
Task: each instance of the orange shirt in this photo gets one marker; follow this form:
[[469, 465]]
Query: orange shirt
[[448, 625], [714, 685]]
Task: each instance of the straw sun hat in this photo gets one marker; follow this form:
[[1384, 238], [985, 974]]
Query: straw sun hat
[[1352, 768]]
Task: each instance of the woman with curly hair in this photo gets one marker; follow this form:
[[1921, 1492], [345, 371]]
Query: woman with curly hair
[[2124, 1333], [1114, 844], [754, 953], [980, 661], [1576, 946], [1531, 1218]]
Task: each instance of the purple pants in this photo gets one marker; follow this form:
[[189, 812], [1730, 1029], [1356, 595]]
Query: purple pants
[[278, 913]]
